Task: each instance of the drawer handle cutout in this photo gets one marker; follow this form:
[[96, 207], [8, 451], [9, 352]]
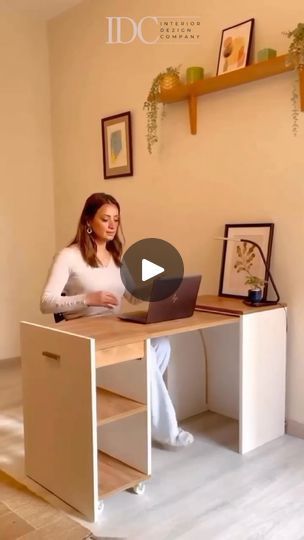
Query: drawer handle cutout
[[51, 355]]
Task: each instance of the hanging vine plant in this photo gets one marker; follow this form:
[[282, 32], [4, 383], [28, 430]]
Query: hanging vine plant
[[165, 80], [295, 58]]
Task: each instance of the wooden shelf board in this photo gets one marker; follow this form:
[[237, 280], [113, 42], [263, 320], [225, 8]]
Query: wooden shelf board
[[111, 407], [115, 476], [179, 93], [250, 73]]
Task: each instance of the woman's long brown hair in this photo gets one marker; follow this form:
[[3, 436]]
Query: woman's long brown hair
[[86, 241]]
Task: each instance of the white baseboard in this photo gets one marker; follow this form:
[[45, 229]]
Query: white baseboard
[[295, 428]]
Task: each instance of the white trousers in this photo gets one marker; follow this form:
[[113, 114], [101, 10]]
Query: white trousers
[[163, 417]]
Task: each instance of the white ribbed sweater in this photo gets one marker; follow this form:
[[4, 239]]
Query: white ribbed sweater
[[69, 272]]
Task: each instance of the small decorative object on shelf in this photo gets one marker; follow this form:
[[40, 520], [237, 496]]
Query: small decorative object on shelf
[[295, 57], [194, 74], [266, 54], [163, 82], [235, 47], [296, 46]]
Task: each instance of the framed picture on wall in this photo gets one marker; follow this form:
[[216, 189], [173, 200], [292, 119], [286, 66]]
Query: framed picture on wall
[[239, 257], [117, 145], [235, 47]]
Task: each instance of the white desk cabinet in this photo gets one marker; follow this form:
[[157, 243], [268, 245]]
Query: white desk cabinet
[[86, 392], [242, 369]]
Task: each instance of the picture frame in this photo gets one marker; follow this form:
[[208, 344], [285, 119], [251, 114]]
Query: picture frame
[[235, 47], [232, 280], [117, 145]]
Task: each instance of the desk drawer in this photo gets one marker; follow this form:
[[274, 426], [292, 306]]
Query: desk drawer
[[122, 353]]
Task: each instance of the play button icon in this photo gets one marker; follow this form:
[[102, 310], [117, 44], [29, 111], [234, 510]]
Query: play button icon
[[150, 270], [149, 260]]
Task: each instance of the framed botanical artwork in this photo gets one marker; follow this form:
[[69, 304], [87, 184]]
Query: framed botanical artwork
[[241, 259], [235, 47], [117, 145]]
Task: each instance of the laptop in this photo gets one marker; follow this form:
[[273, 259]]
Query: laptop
[[179, 305]]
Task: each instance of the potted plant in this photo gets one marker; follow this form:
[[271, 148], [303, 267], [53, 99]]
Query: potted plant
[[244, 263], [255, 292], [163, 81], [296, 59]]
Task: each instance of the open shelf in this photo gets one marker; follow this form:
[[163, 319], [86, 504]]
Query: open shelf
[[248, 74], [115, 476], [111, 407]]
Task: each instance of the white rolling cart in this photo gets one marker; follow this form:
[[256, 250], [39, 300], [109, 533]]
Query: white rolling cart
[[86, 416]]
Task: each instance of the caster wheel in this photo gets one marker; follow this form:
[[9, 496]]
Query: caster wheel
[[100, 506], [139, 489]]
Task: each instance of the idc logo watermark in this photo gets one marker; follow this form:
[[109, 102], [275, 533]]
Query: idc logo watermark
[[152, 30]]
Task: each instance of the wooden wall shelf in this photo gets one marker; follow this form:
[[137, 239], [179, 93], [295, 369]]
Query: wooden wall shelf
[[251, 73]]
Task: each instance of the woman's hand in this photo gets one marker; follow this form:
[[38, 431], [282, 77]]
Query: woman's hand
[[101, 298]]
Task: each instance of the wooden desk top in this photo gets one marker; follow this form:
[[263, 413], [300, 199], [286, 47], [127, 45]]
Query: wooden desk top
[[110, 331], [231, 306]]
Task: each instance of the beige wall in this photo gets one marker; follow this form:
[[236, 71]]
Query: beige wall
[[26, 201], [244, 165]]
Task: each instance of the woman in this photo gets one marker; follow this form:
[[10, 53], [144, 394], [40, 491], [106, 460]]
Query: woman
[[88, 271]]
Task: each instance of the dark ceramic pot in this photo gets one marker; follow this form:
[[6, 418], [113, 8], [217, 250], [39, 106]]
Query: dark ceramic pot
[[255, 295]]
